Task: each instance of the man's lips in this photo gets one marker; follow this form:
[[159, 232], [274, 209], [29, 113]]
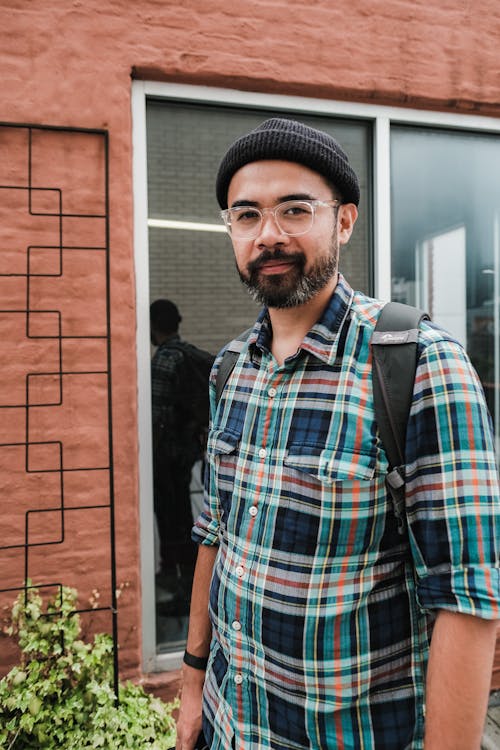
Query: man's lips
[[275, 263], [276, 266]]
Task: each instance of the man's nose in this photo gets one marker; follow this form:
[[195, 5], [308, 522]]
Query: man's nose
[[269, 228]]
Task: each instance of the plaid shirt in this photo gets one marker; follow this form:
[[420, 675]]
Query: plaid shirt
[[321, 611], [165, 368]]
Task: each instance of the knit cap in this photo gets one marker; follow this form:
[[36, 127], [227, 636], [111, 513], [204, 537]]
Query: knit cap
[[289, 140], [164, 314]]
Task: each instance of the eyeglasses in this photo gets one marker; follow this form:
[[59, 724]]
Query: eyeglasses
[[292, 218]]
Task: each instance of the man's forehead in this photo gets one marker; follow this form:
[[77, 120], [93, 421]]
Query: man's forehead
[[282, 178]]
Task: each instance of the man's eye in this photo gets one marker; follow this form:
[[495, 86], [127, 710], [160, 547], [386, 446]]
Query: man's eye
[[296, 209], [246, 214]]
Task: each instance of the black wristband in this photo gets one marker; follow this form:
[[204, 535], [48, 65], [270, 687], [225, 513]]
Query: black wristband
[[197, 662]]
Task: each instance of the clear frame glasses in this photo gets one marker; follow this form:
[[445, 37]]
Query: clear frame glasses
[[292, 218]]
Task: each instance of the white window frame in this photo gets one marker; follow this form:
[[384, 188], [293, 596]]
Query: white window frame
[[381, 118]]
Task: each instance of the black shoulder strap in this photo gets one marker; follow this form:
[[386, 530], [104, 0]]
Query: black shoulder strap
[[394, 351], [226, 366]]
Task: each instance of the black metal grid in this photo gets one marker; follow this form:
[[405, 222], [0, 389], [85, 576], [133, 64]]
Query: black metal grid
[[46, 325]]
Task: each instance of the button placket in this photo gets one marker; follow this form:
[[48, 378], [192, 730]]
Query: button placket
[[240, 570]]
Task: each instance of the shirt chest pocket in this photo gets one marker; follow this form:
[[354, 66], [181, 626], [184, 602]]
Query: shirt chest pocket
[[331, 502]]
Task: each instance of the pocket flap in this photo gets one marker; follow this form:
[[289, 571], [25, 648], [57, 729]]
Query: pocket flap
[[328, 466], [222, 442]]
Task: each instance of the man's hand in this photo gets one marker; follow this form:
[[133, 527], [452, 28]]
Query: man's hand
[[189, 721]]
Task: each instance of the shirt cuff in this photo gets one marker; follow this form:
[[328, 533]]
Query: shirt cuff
[[472, 590], [205, 531]]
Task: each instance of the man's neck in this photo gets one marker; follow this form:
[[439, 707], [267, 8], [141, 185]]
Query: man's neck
[[162, 337], [290, 325]]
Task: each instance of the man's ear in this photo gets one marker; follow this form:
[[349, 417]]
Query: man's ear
[[348, 213]]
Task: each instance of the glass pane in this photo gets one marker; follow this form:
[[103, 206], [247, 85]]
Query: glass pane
[[445, 239], [196, 270]]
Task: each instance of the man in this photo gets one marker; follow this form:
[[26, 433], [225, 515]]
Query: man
[[176, 444], [318, 614]]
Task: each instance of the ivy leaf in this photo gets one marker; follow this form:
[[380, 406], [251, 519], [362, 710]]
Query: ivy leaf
[[62, 694]]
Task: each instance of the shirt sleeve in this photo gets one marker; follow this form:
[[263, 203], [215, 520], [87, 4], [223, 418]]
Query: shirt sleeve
[[452, 496], [207, 526]]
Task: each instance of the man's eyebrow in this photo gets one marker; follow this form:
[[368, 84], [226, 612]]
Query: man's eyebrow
[[296, 197], [237, 204], [280, 199]]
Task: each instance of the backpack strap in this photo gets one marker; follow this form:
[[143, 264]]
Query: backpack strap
[[228, 361], [394, 351]]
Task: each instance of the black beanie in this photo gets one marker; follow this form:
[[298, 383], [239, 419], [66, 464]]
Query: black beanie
[[165, 315], [290, 141]]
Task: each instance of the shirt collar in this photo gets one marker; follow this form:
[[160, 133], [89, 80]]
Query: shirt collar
[[322, 340]]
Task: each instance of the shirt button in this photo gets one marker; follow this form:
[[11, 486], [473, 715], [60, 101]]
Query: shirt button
[[253, 510], [236, 625], [262, 453], [238, 678], [272, 392], [240, 571]]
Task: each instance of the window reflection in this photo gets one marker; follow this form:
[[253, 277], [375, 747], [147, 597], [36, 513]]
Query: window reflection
[[440, 284], [445, 239], [180, 410], [192, 263]]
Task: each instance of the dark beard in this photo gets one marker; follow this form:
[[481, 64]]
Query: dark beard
[[293, 288]]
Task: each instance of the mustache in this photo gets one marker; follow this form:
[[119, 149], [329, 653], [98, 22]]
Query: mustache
[[278, 254]]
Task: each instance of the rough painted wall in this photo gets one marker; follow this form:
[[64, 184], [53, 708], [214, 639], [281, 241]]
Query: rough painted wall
[[70, 63]]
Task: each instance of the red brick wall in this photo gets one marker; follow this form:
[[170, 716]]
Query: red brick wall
[[70, 63]]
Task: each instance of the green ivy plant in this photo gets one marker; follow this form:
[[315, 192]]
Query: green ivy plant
[[61, 694]]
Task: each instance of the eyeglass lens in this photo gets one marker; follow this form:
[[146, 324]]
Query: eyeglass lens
[[292, 217]]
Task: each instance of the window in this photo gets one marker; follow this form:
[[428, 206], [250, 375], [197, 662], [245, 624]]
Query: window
[[428, 234], [190, 255], [191, 263], [445, 238]]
